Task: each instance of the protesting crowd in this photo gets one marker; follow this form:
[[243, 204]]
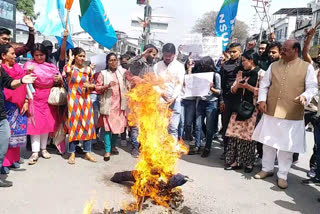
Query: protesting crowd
[[261, 98]]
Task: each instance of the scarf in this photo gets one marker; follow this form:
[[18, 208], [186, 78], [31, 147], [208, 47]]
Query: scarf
[[44, 73]]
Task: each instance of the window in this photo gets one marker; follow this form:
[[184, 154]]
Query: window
[[6, 10], [286, 32]]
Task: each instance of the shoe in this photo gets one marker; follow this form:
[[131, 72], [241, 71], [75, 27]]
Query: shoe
[[194, 150], [4, 183], [106, 157], [135, 153], [4, 170], [90, 158], [114, 151], [45, 154], [263, 175], [311, 173], [205, 153], [72, 159], [282, 184], [233, 168], [15, 165], [311, 181], [248, 169], [34, 158], [79, 150], [124, 143]]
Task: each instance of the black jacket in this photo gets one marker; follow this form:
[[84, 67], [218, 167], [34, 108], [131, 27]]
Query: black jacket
[[5, 82], [228, 73]]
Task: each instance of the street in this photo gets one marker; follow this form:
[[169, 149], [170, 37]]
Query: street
[[55, 187]]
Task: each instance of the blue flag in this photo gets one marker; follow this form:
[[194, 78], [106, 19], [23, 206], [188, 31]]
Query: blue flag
[[226, 20], [52, 21], [94, 20]]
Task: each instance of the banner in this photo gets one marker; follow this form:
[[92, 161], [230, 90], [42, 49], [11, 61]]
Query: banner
[[197, 84], [226, 20]]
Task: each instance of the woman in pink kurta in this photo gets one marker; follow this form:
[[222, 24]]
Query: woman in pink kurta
[[114, 122], [44, 118]]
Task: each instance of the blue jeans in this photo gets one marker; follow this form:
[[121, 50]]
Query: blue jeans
[[134, 137], [4, 139], [208, 110], [317, 142], [175, 119], [86, 146], [188, 111]]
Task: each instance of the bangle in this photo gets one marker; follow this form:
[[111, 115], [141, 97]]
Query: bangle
[[21, 81]]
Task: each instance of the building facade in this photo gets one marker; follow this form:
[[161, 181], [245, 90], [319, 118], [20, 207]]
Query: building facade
[[289, 23], [8, 16]]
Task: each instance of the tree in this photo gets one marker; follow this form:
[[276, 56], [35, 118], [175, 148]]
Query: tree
[[207, 24], [26, 7]]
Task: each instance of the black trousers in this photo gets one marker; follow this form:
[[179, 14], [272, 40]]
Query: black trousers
[[226, 115]]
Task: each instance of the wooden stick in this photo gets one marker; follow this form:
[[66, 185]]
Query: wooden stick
[[67, 19], [141, 204]]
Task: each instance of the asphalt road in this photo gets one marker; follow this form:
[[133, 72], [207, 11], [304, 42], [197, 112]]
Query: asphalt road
[[54, 187]]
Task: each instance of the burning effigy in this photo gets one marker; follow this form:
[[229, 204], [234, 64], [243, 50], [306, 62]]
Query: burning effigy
[[154, 175]]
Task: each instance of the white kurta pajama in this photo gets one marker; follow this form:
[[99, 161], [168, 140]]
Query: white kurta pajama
[[287, 136]]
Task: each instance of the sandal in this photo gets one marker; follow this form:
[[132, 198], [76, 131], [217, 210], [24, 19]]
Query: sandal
[[33, 159], [114, 151], [90, 158], [106, 157], [72, 159], [45, 154]]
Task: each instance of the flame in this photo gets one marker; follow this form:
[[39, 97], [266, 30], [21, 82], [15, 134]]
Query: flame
[[88, 207], [159, 151]]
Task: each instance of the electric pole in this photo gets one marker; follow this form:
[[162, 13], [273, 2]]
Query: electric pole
[[147, 23]]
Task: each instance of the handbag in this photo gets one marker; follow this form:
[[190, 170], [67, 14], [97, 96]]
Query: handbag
[[58, 96], [245, 109]]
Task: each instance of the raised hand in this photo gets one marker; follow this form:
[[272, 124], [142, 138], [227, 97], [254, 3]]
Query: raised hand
[[28, 22], [65, 33], [71, 56], [148, 51]]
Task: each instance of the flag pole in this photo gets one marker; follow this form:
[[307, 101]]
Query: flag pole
[[68, 11]]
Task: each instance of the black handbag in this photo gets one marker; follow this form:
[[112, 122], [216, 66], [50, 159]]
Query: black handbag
[[245, 110]]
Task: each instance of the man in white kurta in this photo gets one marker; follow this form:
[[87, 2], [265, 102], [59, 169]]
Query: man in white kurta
[[172, 72], [286, 87]]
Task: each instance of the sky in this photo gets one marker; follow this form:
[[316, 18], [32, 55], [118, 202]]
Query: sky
[[182, 14]]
